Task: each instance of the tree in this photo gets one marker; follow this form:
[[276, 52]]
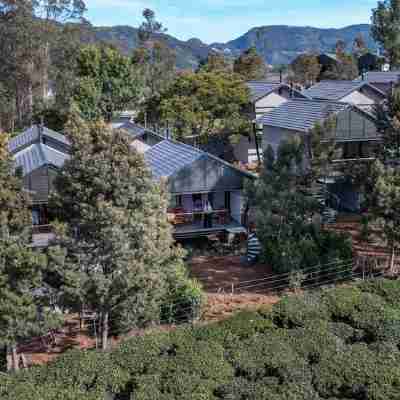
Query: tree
[[385, 208], [306, 69], [116, 243], [215, 62], [359, 46], [155, 59], [108, 82], [20, 267], [28, 30], [287, 214], [204, 104], [345, 68], [386, 29], [250, 66]]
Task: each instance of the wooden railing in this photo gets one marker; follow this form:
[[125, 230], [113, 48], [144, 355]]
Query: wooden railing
[[189, 217], [41, 229]]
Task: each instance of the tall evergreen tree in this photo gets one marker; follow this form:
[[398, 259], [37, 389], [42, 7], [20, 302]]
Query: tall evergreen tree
[[117, 240], [305, 69], [20, 267], [386, 29], [250, 65]]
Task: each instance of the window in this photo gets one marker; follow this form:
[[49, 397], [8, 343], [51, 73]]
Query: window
[[176, 201]]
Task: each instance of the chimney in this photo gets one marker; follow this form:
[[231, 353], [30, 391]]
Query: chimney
[[280, 76], [291, 90]]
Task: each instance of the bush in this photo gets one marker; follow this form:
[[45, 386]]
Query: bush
[[337, 344]]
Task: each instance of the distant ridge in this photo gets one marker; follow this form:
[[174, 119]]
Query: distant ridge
[[278, 44]]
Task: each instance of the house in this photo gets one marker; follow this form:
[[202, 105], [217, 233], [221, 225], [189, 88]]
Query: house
[[361, 94], [369, 62], [264, 96], [192, 177], [355, 133], [382, 80], [39, 153], [328, 62]]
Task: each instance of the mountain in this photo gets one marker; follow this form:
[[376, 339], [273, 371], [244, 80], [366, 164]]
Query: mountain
[[278, 44]]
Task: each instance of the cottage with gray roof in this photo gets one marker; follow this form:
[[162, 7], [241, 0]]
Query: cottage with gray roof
[[361, 94], [355, 132], [382, 80]]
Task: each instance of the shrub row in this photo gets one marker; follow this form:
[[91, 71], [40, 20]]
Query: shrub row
[[337, 344]]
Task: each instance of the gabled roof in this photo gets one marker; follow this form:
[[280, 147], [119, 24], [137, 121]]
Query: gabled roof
[[31, 135], [337, 90], [169, 157], [302, 115], [260, 89], [381, 77], [38, 155]]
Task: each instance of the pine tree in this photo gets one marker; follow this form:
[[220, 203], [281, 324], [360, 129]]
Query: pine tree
[[20, 267], [116, 238]]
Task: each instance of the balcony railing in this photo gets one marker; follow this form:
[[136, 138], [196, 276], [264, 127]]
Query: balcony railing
[[182, 217]]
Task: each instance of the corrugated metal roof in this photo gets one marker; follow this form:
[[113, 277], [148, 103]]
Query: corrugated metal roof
[[167, 158], [381, 77], [133, 129], [336, 90], [31, 135], [37, 155], [301, 115], [260, 89]]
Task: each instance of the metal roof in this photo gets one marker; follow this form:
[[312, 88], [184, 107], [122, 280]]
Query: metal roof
[[381, 77], [337, 90], [259, 89], [31, 135], [167, 157], [133, 129], [38, 155], [301, 115]]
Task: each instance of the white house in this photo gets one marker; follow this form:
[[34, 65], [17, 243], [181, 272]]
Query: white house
[[359, 93]]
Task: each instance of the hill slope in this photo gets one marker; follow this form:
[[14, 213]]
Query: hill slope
[[278, 44]]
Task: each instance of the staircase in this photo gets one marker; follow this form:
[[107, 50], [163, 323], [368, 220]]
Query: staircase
[[323, 197]]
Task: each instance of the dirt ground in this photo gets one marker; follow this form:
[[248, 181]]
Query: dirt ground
[[217, 274]]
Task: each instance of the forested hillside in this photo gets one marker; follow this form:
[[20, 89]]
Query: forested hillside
[[277, 44]]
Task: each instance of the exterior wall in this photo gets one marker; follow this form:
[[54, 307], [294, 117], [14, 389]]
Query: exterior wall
[[237, 205], [38, 183], [353, 126], [245, 151], [273, 136], [206, 175], [270, 102], [360, 99]]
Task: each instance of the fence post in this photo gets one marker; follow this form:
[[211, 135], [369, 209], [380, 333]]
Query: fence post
[[233, 289]]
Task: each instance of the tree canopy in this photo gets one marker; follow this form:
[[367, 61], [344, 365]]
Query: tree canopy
[[250, 66], [203, 104], [305, 69], [115, 241]]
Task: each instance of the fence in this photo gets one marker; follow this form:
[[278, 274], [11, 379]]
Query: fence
[[314, 278]]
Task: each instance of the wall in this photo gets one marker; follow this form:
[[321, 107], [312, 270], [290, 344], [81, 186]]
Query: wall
[[274, 136], [206, 175], [358, 98], [245, 150], [237, 205], [354, 126], [38, 182], [269, 102]]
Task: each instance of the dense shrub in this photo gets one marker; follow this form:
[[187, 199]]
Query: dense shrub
[[336, 344]]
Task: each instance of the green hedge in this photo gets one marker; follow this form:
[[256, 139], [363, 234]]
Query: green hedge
[[336, 344]]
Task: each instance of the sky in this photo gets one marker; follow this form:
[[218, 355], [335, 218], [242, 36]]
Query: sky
[[224, 20]]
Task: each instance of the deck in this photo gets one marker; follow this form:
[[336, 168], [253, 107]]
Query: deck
[[189, 231]]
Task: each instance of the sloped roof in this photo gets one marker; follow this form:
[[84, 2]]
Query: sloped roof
[[31, 135], [302, 115], [381, 77], [133, 129], [38, 155], [167, 157], [259, 89], [337, 90]]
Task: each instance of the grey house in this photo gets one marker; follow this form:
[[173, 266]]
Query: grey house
[[361, 94], [194, 177], [384, 81], [264, 96], [355, 134], [39, 153]]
